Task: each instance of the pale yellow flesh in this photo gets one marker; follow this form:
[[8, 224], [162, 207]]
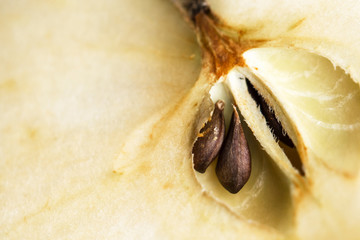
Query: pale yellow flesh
[[267, 188], [80, 77], [320, 99], [313, 96], [329, 28], [76, 78]]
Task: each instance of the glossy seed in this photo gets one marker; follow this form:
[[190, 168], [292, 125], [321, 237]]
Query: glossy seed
[[234, 163], [269, 115], [210, 140]]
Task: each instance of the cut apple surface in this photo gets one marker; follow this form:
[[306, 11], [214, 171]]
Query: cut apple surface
[[102, 103], [321, 100], [315, 26]]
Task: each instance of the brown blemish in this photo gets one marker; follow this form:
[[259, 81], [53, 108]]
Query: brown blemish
[[252, 30], [32, 133], [144, 168], [118, 172], [344, 174], [8, 85], [225, 53], [168, 185], [221, 51], [296, 24]]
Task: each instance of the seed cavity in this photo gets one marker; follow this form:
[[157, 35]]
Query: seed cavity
[[271, 120], [234, 163], [210, 139], [233, 168]]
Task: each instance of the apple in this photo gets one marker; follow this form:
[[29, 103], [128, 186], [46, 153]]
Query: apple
[[103, 101]]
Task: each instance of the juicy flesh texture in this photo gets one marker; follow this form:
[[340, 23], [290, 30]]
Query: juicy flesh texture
[[295, 82], [315, 99], [81, 76], [319, 98], [328, 28]]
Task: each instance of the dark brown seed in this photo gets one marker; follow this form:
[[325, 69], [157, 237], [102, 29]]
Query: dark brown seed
[[234, 163], [211, 137], [269, 115]]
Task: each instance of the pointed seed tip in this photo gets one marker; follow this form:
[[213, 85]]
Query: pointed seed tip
[[220, 104]]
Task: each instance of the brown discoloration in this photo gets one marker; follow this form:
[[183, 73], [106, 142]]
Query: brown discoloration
[[225, 52], [296, 24], [344, 174], [168, 185], [8, 85], [118, 172], [221, 52], [249, 31], [32, 133], [144, 168]]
